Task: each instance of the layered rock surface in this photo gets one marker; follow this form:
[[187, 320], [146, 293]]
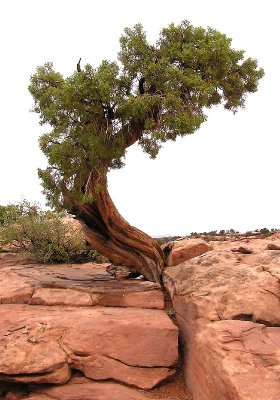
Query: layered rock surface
[[81, 388], [73, 285], [60, 318], [42, 344], [228, 311]]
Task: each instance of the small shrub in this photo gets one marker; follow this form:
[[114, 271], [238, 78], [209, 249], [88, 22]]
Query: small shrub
[[171, 313], [248, 233], [266, 232], [232, 231], [44, 234]]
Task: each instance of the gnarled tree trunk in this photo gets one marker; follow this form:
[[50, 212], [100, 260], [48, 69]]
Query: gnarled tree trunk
[[108, 232]]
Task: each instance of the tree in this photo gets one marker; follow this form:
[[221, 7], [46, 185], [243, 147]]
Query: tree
[[153, 94]]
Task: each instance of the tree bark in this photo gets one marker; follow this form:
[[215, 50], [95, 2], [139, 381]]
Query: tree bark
[[108, 232]]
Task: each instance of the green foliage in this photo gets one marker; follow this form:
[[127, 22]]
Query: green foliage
[[158, 92], [45, 234], [8, 213], [266, 232], [171, 313], [167, 239]]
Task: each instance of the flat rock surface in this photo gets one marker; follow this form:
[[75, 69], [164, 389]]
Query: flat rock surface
[[73, 285], [228, 312]]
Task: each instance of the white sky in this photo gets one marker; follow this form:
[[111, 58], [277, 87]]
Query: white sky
[[224, 176]]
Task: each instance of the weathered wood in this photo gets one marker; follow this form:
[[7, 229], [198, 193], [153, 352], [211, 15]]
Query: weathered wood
[[111, 235]]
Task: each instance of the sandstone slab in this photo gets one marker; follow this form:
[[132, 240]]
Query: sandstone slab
[[42, 344], [84, 389], [15, 258], [74, 285], [14, 288], [104, 368]]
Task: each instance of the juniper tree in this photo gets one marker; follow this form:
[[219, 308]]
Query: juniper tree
[[153, 94]]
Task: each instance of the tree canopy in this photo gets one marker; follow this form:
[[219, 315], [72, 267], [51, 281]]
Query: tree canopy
[[152, 94]]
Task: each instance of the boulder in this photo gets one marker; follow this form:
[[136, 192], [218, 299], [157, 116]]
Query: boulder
[[242, 249], [228, 311], [273, 246], [187, 249]]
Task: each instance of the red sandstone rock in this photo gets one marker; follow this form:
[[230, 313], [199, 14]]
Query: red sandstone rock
[[13, 259], [220, 290], [101, 368], [235, 360], [84, 389], [42, 339], [187, 249], [61, 297], [75, 285], [42, 344], [226, 356], [273, 246], [14, 288]]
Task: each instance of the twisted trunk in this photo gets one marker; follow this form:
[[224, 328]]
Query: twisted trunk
[[108, 232]]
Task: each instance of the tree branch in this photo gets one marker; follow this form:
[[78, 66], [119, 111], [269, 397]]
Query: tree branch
[[141, 85], [79, 66]]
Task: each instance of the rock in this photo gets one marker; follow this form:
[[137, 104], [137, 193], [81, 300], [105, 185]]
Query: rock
[[235, 360], [187, 249], [15, 258], [272, 246], [61, 297], [75, 285], [228, 311], [81, 388], [42, 344], [224, 291], [243, 250], [101, 368], [14, 288], [60, 318], [121, 272]]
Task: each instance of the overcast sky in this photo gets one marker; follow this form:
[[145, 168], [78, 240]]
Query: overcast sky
[[224, 176]]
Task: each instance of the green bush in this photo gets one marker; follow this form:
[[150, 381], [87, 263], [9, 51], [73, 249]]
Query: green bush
[[45, 234], [266, 232]]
